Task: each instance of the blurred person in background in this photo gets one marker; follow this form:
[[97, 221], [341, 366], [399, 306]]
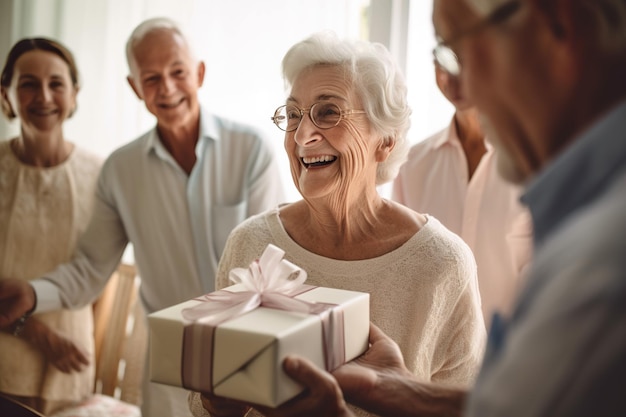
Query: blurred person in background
[[175, 193], [453, 175], [47, 187]]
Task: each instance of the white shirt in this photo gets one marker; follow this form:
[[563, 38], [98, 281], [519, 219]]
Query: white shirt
[[484, 210], [178, 224]]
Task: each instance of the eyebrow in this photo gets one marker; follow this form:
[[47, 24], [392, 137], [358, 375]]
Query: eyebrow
[[321, 97]]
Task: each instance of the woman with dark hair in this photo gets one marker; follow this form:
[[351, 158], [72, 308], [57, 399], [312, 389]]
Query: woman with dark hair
[[47, 186]]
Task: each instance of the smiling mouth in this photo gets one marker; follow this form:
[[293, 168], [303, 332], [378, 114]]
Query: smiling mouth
[[43, 112], [171, 105], [317, 161]]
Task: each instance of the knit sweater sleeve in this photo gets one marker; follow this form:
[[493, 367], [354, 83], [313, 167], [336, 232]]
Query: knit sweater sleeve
[[460, 345]]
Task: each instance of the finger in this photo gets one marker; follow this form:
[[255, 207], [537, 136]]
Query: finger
[[318, 381], [301, 370], [376, 334], [321, 397], [76, 364], [81, 357], [62, 366]]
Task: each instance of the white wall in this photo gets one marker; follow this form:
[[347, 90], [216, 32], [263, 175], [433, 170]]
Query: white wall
[[431, 111]]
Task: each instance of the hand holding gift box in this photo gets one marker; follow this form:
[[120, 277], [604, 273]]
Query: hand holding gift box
[[232, 342]]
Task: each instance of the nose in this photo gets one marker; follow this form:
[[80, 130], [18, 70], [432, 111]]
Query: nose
[[307, 133], [166, 85], [45, 94]]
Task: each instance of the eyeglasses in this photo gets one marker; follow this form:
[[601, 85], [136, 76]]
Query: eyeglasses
[[323, 114], [443, 53]]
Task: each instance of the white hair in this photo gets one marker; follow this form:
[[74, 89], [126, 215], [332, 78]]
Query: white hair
[[377, 80], [149, 26]]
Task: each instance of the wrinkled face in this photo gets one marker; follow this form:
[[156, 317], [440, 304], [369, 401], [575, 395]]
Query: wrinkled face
[[339, 162], [499, 67], [167, 78], [41, 92]]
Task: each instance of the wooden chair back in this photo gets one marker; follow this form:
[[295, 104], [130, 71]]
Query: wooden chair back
[[120, 337]]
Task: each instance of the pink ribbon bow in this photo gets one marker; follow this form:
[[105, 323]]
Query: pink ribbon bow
[[271, 282]]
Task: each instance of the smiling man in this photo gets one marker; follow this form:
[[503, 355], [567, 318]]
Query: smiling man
[[175, 193]]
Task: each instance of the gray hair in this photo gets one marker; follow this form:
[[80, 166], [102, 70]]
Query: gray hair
[[149, 26], [606, 20], [377, 80]]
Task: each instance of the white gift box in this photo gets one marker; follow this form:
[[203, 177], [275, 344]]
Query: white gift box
[[240, 355]]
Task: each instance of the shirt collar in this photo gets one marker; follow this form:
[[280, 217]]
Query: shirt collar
[[208, 131], [448, 135], [579, 174]]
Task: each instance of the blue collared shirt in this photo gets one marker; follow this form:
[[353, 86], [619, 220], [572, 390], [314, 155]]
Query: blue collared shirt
[[563, 353]]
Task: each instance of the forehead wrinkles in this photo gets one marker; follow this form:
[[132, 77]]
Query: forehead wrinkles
[[317, 82]]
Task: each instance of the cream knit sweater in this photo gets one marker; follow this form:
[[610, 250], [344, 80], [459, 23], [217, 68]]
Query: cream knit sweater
[[42, 213], [424, 294]]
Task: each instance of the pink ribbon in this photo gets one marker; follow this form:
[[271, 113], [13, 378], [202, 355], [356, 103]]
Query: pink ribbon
[[271, 282]]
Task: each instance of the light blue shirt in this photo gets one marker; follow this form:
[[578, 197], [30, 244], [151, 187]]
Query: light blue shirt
[[178, 224], [563, 353]]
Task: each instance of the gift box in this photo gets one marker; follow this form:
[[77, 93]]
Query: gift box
[[232, 342]]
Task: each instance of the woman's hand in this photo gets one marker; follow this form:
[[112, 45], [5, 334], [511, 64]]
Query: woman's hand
[[56, 348]]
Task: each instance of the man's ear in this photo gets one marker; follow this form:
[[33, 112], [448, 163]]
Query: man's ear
[[201, 69], [385, 146], [135, 88]]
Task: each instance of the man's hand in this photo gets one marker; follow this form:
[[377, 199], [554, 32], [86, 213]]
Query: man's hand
[[359, 379], [17, 297], [321, 397], [379, 382]]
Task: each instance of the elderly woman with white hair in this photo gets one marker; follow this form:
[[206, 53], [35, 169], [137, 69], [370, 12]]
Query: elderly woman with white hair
[[345, 122]]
